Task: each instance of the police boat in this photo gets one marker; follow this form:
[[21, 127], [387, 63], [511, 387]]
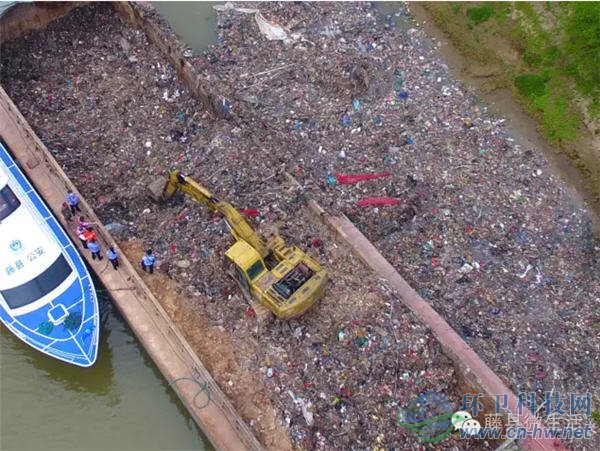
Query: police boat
[[47, 298]]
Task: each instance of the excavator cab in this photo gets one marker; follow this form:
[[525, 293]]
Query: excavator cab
[[248, 265]]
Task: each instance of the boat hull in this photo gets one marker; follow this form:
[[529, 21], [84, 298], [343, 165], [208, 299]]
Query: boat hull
[[64, 323]]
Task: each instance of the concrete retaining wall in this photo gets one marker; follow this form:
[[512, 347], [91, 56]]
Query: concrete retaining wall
[[25, 17]]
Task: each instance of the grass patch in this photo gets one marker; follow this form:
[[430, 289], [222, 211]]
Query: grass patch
[[559, 120], [480, 14], [559, 53], [443, 13], [528, 11], [596, 418], [548, 98], [549, 53], [581, 48], [531, 85], [502, 12]]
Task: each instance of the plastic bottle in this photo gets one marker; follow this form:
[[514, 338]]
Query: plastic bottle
[[346, 120]]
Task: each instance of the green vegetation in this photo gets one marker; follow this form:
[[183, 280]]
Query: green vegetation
[[480, 14], [548, 53], [502, 12], [558, 48], [559, 120], [581, 49], [531, 85]]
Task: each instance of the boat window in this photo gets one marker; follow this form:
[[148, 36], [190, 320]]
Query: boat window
[[36, 288], [8, 202]]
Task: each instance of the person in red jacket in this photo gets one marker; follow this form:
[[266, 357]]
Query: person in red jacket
[[89, 235]]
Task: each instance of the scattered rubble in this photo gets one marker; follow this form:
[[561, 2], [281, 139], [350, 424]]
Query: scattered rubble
[[476, 222]]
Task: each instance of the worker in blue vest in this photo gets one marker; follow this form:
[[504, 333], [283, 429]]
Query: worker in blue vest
[[73, 201], [148, 261], [113, 257], [94, 248]]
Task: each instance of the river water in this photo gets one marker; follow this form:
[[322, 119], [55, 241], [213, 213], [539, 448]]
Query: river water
[[122, 402], [194, 22]]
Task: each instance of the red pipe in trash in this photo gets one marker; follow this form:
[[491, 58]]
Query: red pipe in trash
[[346, 179], [249, 212], [367, 201]]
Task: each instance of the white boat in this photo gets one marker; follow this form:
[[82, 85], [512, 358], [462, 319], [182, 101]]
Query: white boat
[[47, 297]]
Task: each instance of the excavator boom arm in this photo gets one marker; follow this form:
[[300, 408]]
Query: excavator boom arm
[[236, 221], [179, 182]]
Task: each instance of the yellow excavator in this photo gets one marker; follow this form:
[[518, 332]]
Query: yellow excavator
[[282, 278]]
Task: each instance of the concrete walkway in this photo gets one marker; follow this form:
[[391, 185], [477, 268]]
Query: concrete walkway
[[164, 343]]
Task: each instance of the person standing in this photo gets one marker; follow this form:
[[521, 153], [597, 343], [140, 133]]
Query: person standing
[[81, 235], [73, 201], [94, 248], [66, 212], [81, 222], [148, 261], [89, 234], [113, 257]]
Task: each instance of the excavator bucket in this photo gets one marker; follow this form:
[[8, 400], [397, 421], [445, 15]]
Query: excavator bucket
[[156, 189]]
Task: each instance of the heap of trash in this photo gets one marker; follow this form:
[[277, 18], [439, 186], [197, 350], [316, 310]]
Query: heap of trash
[[359, 108]]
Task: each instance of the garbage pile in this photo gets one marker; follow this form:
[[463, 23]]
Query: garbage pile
[[474, 220], [367, 118], [477, 222], [345, 373]]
